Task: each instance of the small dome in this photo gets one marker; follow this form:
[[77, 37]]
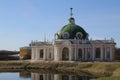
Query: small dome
[[71, 31]]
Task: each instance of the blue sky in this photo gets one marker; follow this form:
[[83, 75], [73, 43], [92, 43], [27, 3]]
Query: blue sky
[[24, 20]]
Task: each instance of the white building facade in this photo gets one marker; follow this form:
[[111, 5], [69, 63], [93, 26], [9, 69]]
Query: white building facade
[[78, 50], [71, 43]]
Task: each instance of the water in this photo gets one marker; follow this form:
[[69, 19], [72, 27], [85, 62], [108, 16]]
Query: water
[[13, 76], [23, 75], [51, 75]]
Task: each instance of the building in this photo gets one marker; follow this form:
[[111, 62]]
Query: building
[[25, 52], [72, 43]]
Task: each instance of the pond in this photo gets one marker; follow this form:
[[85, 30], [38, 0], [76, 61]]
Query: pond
[[23, 75]]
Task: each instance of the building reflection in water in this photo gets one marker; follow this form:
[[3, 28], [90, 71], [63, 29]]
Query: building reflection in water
[[24, 74], [38, 76]]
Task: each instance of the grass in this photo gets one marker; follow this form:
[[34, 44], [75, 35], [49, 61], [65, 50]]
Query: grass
[[109, 78], [96, 68]]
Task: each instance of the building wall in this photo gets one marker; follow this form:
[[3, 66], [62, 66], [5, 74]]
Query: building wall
[[25, 53], [76, 52], [86, 48], [46, 53]]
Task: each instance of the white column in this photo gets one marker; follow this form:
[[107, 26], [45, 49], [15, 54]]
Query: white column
[[86, 51], [70, 77], [57, 54], [111, 56], [44, 76], [93, 53], [44, 55], [57, 76], [83, 53], [36, 75], [70, 54], [101, 53], [52, 54], [48, 54], [36, 54], [33, 54], [75, 54], [47, 75], [105, 54], [32, 76]]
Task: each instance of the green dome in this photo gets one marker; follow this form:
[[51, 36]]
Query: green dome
[[72, 31]]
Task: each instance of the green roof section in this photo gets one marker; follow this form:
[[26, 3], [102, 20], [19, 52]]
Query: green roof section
[[72, 31]]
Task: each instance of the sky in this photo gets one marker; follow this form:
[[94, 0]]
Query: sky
[[22, 21]]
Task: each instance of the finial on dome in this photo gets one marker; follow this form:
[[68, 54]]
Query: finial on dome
[[71, 19], [71, 14]]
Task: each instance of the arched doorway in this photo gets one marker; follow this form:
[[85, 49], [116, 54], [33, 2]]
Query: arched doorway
[[97, 53], [79, 54], [65, 54], [41, 53]]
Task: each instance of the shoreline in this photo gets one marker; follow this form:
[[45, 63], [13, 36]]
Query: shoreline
[[96, 68]]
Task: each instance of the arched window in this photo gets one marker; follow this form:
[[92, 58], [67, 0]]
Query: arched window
[[65, 54], [97, 53], [88, 55], [79, 53], [41, 53]]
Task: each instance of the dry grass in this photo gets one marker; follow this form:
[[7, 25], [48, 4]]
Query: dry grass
[[96, 68]]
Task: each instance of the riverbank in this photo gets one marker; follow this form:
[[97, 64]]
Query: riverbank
[[96, 68]]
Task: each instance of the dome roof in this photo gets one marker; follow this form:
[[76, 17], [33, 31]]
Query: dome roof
[[72, 31]]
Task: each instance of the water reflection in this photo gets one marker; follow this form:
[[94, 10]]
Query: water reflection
[[39, 76], [24, 74]]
